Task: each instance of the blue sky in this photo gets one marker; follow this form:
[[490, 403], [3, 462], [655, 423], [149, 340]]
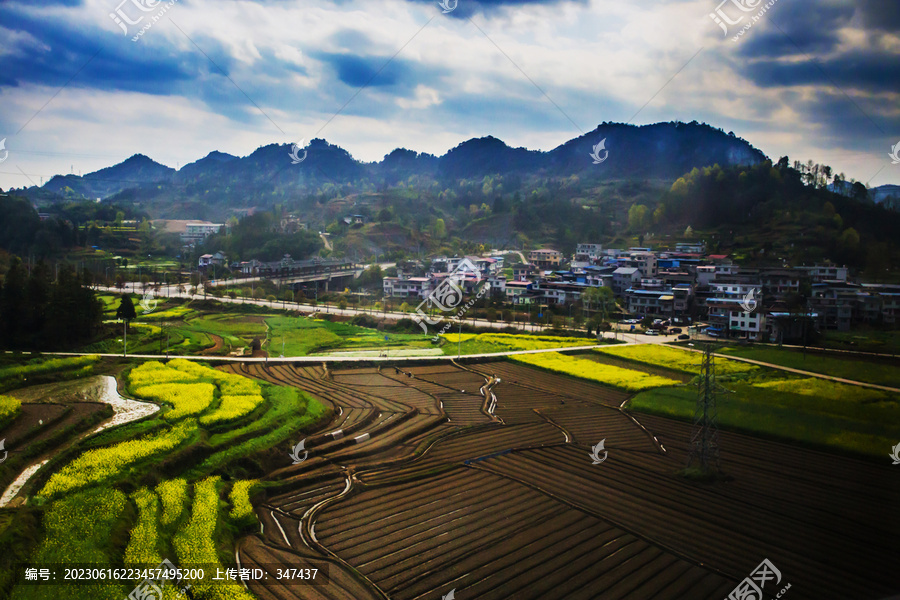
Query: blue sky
[[812, 79]]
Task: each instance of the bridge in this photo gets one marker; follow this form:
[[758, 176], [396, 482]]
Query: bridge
[[315, 274]]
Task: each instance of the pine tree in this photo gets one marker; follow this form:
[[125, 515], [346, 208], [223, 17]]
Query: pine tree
[[126, 309]]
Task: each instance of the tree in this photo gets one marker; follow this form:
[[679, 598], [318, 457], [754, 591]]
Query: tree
[[637, 216], [659, 215], [850, 239], [13, 302], [126, 310], [688, 232]]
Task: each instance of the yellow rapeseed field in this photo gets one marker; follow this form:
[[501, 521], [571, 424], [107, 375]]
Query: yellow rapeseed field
[[195, 545], [173, 494], [105, 463], [230, 408], [187, 398], [142, 544], [624, 379], [240, 499], [674, 358]]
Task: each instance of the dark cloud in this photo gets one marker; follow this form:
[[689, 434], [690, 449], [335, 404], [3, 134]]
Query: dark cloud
[[119, 64], [790, 28], [863, 124], [869, 71], [880, 15], [374, 71]]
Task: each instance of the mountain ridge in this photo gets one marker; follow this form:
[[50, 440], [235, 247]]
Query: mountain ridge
[[659, 151]]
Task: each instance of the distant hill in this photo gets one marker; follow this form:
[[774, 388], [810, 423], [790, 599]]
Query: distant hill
[[662, 151], [134, 172], [882, 193]]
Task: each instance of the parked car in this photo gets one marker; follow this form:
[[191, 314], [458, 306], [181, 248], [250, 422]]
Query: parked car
[[684, 336], [651, 332], [675, 330]]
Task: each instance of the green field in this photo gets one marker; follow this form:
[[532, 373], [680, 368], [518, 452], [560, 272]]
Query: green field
[[882, 342], [884, 372], [849, 421], [304, 336]]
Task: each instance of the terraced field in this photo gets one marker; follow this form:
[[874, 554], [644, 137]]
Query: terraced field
[[438, 478]]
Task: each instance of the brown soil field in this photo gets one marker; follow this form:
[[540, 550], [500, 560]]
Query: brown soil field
[[449, 491]]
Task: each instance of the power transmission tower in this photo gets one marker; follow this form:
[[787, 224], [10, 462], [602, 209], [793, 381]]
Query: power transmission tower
[[705, 438]]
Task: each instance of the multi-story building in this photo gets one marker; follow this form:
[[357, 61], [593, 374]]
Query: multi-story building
[[516, 291], [706, 274], [691, 247], [556, 292], [625, 278], [890, 307], [834, 302], [655, 303], [411, 287], [545, 258], [780, 282], [522, 272], [197, 231], [826, 272], [592, 251], [208, 260], [728, 318], [645, 261]]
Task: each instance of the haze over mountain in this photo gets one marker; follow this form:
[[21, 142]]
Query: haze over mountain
[[662, 151]]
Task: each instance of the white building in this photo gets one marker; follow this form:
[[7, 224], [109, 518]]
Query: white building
[[197, 231], [411, 287]]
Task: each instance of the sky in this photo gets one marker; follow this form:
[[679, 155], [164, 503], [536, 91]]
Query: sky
[[84, 84]]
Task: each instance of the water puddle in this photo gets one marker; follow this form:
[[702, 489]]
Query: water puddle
[[95, 389]]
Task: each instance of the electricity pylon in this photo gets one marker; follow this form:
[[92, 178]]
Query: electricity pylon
[[705, 438]]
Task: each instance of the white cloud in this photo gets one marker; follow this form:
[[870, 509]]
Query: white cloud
[[598, 61]]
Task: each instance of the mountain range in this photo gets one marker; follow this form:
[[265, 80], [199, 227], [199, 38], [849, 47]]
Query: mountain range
[[613, 152], [662, 151]]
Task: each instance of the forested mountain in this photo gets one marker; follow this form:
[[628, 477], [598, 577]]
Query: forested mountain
[[662, 151]]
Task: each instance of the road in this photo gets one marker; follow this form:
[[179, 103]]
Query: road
[[172, 292], [329, 359]]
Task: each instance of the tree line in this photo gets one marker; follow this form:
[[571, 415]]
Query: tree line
[[42, 310]]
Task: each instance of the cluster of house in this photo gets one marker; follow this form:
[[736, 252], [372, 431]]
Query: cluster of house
[[685, 285]]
